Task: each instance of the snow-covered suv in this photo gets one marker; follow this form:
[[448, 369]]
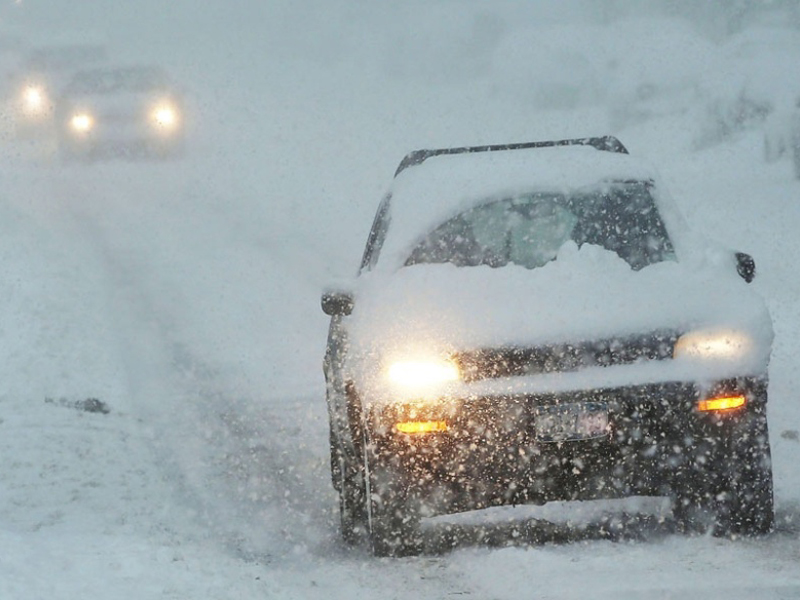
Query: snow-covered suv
[[535, 322]]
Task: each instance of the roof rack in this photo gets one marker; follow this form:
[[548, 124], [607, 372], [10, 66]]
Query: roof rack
[[606, 143]]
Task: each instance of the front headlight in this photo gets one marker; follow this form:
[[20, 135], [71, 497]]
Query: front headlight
[[81, 122], [33, 99], [424, 373], [165, 116], [716, 344]]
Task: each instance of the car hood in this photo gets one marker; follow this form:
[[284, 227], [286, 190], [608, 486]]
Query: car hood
[[120, 103], [585, 294]]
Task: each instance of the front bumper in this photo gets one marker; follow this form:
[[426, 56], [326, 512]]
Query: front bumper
[[120, 135], [657, 443], [120, 145]]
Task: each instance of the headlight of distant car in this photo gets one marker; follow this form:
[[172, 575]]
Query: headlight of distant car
[[420, 374], [715, 344], [165, 116], [81, 122], [33, 99]]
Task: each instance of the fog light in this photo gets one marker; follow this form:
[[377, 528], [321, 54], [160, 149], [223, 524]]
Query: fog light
[[422, 426], [721, 403]]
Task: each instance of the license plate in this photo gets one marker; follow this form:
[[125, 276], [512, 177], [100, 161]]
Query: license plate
[[570, 422]]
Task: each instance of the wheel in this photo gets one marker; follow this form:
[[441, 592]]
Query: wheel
[[336, 461], [393, 518], [352, 503], [730, 492], [746, 505]]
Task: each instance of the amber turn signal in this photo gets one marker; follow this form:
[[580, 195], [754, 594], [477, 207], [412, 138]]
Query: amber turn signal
[[422, 426], [721, 403]]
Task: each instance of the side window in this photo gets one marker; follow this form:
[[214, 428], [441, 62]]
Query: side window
[[376, 235]]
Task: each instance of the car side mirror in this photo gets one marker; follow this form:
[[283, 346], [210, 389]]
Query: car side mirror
[[337, 303], [745, 266]]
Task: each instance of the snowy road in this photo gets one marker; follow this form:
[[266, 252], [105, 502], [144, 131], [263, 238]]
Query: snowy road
[[185, 296]]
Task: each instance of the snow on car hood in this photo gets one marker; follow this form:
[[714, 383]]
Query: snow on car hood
[[585, 294]]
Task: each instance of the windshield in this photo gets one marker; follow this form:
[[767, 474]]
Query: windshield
[[528, 230], [116, 80]]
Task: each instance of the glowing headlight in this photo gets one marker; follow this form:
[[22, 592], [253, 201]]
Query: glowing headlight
[[81, 122], [713, 344], [422, 373], [165, 116], [33, 98]]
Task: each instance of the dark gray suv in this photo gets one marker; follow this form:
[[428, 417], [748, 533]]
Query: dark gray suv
[[535, 322]]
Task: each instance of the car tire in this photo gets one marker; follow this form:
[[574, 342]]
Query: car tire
[[352, 503], [746, 504], [393, 520], [734, 495]]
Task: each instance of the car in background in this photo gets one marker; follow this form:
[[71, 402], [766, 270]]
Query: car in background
[[535, 322], [38, 80], [120, 111]]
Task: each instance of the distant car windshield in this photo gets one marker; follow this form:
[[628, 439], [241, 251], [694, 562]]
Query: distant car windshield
[[528, 230], [116, 80]]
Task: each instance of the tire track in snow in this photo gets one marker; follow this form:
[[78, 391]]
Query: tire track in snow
[[244, 463], [248, 468]]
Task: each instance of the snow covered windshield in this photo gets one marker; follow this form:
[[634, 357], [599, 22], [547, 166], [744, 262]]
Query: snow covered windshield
[[528, 229], [111, 81]]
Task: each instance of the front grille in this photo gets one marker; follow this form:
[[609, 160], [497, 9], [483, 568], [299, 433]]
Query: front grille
[[491, 455], [489, 363]]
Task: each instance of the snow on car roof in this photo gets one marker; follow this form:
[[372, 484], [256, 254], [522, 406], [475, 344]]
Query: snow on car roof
[[425, 195]]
